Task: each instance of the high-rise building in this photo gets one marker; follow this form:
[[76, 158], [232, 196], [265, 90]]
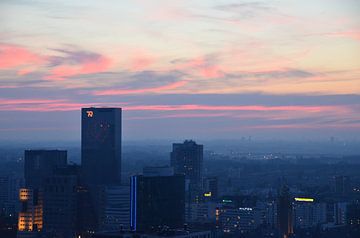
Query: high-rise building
[[101, 145], [60, 203], [187, 159], [157, 202], [285, 213], [40, 164]]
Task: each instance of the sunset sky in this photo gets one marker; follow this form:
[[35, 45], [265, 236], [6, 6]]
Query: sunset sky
[[210, 69]]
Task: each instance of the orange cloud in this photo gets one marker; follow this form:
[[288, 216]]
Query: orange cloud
[[141, 90]]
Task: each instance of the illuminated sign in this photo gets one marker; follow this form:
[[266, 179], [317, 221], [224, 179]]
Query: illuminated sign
[[89, 113], [226, 201], [207, 194], [304, 199], [245, 208]]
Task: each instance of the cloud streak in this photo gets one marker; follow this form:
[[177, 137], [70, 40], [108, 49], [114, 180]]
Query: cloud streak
[[159, 89]]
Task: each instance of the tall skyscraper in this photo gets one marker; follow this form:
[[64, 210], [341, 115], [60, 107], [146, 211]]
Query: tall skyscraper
[[285, 213], [101, 145], [157, 201], [187, 159]]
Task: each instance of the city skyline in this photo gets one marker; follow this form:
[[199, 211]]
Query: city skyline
[[181, 69]]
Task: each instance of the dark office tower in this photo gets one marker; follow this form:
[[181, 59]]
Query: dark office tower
[[60, 199], [40, 164], [187, 159], [101, 145], [157, 202], [285, 213]]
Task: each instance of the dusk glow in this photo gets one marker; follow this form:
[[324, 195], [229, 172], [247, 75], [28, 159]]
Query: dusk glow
[[174, 60]]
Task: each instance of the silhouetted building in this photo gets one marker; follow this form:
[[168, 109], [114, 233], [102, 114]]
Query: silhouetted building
[[285, 213], [187, 159], [9, 194], [60, 199], [157, 202], [101, 145], [40, 164]]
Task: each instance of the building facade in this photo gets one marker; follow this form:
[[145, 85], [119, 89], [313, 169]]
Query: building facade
[[101, 145]]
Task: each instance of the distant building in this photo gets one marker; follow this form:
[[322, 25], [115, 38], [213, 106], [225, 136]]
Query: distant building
[[101, 145], [187, 159], [157, 202], [9, 194], [342, 185], [178, 233], [210, 188], [239, 219], [340, 212], [202, 212], [285, 213], [353, 214], [116, 209], [308, 214], [268, 213]]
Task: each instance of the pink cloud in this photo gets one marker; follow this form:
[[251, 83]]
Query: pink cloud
[[87, 66], [141, 60], [202, 67], [141, 90], [187, 110], [260, 108], [346, 34], [303, 126], [25, 71], [12, 56]]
